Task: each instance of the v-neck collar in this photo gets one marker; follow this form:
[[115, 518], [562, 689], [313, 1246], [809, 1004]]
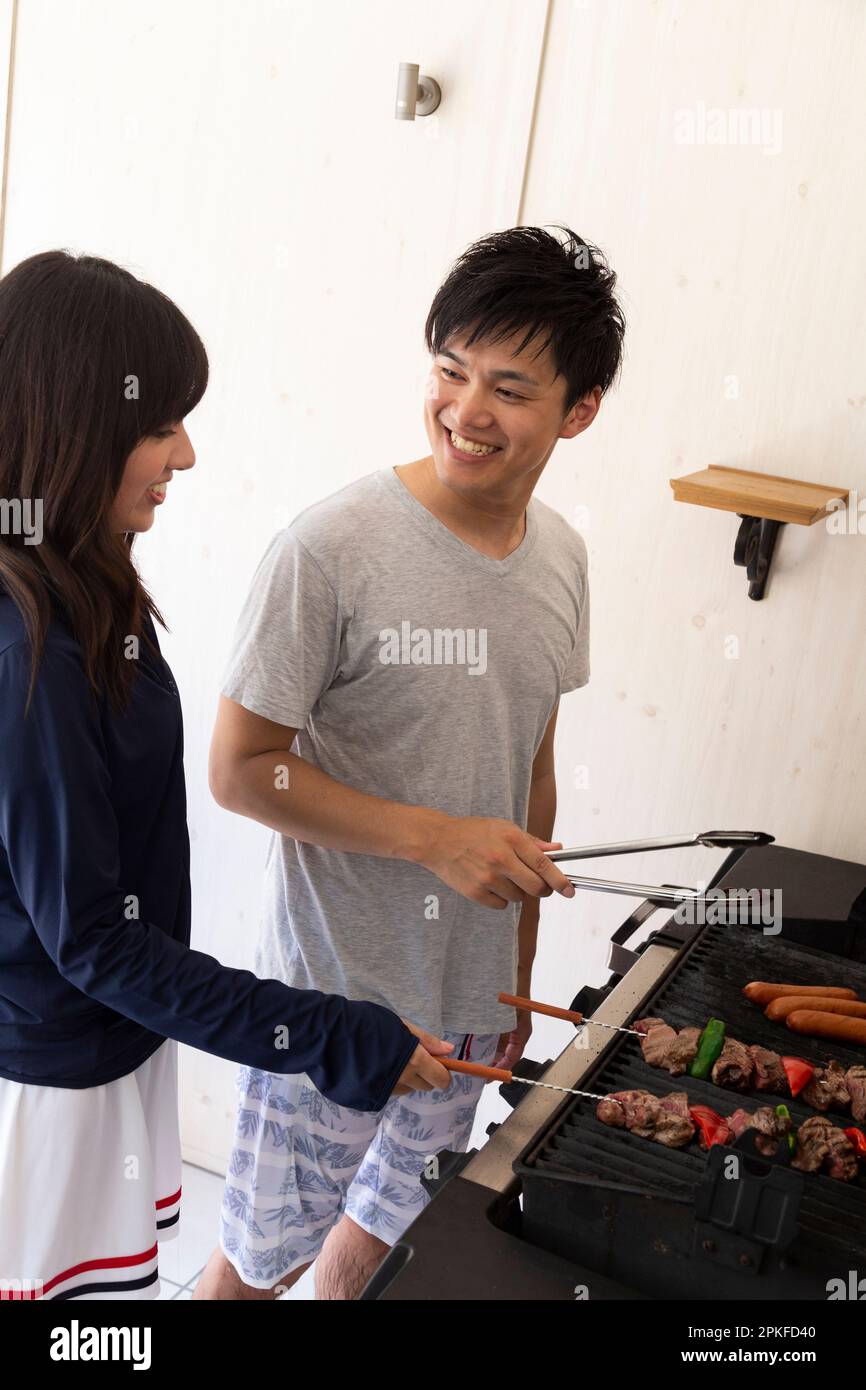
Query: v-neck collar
[[443, 535]]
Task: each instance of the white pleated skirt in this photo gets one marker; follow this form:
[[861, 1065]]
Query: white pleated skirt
[[90, 1182]]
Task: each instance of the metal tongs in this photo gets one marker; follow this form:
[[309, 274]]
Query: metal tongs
[[657, 893], [713, 839]]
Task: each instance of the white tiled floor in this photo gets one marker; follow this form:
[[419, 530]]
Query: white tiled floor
[[181, 1261]]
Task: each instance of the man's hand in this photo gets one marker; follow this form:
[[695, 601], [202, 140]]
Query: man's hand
[[511, 1045], [492, 862], [422, 1072]]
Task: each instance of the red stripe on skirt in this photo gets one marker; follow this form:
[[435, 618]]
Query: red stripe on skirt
[[168, 1201], [113, 1262]]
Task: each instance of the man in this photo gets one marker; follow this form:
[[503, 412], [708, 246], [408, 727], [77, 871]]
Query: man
[[414, 632]]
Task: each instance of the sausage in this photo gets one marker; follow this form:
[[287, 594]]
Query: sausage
[[789, 1003], [761, 993], [834, 1026]]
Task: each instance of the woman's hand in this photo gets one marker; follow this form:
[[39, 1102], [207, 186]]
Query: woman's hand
[[422, 1072]]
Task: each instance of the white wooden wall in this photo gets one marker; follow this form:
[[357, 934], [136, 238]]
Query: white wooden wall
[[244, 157], [7, 52]]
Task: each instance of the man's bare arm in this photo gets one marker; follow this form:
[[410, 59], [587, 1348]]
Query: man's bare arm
[[540, 818], [253, 772]]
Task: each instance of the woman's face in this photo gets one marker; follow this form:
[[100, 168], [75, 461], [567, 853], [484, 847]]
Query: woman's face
[[148, 469]]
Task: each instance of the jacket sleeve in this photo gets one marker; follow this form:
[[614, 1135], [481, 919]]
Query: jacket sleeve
[[61, 836]]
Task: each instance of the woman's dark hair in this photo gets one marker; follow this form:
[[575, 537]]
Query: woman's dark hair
[[527, 280], [92, 362]]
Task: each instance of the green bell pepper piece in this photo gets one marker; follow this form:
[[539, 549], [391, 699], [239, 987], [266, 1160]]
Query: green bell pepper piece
[[784, 1114], [710, 1044]]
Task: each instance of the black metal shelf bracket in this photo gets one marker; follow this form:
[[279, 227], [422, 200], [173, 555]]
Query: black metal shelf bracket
[[754, 546]]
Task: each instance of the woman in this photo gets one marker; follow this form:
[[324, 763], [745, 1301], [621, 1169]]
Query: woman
[[97, 982]]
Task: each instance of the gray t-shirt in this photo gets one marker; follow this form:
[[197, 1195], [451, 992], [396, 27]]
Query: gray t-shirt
[[419, 670]]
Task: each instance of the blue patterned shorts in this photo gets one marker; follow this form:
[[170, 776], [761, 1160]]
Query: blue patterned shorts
[[299, 1162]]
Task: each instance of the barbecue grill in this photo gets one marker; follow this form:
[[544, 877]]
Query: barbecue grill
[[557, 1203]]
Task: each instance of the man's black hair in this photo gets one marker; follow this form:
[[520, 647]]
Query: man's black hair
[[527, 280]]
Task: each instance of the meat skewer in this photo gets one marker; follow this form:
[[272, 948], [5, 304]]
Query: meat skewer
[[668, 1120], [503, 1074], [739, 1067], [552, 1011]]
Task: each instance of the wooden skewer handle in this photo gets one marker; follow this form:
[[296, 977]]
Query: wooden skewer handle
[[475, 1069], [533, 1007]]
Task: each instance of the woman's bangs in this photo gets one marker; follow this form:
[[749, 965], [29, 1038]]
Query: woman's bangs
[[174, 366]]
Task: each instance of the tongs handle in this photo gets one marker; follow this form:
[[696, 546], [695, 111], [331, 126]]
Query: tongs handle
[[714, 839], [660, 894]]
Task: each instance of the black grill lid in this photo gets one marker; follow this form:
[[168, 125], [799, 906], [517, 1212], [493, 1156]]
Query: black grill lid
[[823, 900]]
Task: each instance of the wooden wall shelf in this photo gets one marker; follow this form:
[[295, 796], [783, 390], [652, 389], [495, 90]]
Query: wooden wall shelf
[[757, 494], [765, 502]]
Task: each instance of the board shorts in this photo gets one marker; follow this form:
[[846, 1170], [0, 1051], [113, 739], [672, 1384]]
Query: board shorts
[[90, 1182], [299, 1162]]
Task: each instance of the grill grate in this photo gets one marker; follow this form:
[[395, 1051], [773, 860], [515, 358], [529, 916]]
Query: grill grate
[[708, 982]]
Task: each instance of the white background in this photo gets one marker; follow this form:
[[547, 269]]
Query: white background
[[244, 157]]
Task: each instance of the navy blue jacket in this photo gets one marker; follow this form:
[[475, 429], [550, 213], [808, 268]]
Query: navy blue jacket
[[95, 965]]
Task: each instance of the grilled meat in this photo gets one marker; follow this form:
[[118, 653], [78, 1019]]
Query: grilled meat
[[657, 1041], [855, 1080], [734, 1067], [663, 1047], [769, 1074], [629, 1110], [812, 1145], [675, 1125], [770, 1126], [821, 1144], [828, 1089], [665, 1119], [643, 1025], [681, 1052], [842, 1160]]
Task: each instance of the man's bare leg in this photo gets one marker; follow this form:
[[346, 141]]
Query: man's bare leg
[[220, 1280], [350, 1256]]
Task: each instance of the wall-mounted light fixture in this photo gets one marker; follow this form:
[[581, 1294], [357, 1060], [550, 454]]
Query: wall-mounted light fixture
[[417, 95]]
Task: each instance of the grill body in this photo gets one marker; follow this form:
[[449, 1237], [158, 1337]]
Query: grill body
[[628, 1206], [557, 1206]]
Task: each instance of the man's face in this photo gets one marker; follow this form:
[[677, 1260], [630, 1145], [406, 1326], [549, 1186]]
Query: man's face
[[480, 397]]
